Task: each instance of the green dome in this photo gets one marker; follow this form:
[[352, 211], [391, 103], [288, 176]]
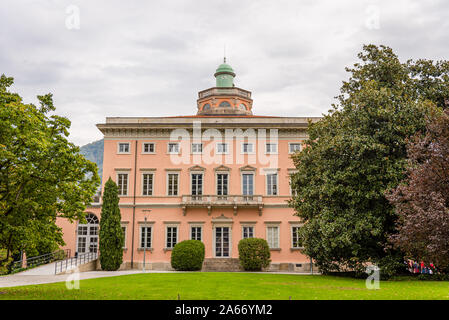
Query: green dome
[[224, 75], [224, 67]]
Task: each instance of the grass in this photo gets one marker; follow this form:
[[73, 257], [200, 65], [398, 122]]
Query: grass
[[226, 286]]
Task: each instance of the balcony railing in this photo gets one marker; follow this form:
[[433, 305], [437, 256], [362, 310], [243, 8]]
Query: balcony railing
[[231, 201], [224, 91]]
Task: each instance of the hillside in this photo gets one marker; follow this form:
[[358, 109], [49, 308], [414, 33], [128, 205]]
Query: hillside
[[94, 152]]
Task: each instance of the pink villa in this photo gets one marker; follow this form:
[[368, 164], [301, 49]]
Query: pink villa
[[218, 176]]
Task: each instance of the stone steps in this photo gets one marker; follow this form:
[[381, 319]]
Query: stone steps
[[221, 264]]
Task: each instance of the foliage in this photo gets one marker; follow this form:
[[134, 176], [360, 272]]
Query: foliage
[[111, 235], [254, 254], [42, 174], [188, 255], [422, 201], [356, 153]]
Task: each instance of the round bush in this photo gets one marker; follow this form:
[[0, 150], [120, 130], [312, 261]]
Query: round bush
[[254, 254], [188, 255]]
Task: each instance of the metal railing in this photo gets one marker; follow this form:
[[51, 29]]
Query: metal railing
[[72, 263], [36, 261]]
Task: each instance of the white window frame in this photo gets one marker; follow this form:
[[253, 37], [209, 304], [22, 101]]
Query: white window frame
[[173, 143], [294, 143], [216, 182], [270, 192], [148, 152], [196, 152], [168, 184], [191, 182], [166, 235], [123, 152], [141, 226], [201, 231], [242, 148], [254, 181], [214, 235], [291, 236], [271, 144], [152, 183], [226, 148], [125, 233], [248, 226], [127, 183], [278, 235]]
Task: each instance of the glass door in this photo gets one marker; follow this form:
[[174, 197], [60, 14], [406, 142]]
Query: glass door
[[197, 186], [222, 242], [248, 186]]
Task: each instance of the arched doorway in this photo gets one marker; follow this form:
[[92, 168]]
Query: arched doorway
[[87, 235]]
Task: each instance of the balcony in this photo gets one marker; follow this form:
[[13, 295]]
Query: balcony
[[224, 91], [219, 201]]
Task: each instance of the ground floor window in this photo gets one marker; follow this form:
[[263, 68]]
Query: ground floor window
[[145, 237], [247, 232], [87, 240], [196, 233], [124, 236], [172, 237], [222, 242], [296, 240], [273, 236]]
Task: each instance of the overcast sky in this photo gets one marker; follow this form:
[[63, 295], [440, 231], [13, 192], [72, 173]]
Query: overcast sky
[[150, 58]]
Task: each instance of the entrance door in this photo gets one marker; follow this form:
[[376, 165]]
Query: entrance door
[[222, 242], [88, 235]]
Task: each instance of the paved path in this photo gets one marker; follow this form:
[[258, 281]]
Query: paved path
[[42, 276]]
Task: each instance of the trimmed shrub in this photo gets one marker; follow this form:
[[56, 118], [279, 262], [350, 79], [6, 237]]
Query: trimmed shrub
[[188, 255], [254, 254]]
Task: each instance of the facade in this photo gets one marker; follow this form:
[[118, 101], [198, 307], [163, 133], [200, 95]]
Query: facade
[[218, 176]]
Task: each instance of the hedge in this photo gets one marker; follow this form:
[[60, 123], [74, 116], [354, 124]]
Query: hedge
[[254, 254], [188, 255]]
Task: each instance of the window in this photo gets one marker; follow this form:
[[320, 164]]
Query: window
[[247, 148], [222, 147], [122, 182], [173, 148], [172, 237], [273, 237], [197, 184], [123, 147], [222, 184], [224, 104], [124, 237], [197, 147], [145, 237], [148, 147], [294, 147], [271, 148], [196, 233], [248, 232], [296, 239], [147, 184], [172, 184], [272, 184], [248, 184]]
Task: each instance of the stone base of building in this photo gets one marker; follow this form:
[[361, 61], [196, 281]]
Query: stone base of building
[[220, 265]]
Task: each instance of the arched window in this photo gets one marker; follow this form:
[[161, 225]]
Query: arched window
[[87, 234], [225, 104], [242, 107], [206, 107]]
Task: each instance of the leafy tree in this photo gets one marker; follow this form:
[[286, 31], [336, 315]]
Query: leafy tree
[[422, 201], [356, 153], [111, 235], [42, 174]]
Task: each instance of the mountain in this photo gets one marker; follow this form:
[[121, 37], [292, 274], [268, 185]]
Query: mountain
[[94, 152]]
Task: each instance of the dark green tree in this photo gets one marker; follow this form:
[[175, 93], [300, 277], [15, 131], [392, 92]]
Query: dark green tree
[[111, 235], [356, 153], [42, 174]]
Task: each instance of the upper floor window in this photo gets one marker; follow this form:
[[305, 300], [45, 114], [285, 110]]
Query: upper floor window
[[173, 147], [172, 189], [122, 183], [148, 147], [147, 184], [248, 184], [272, 184], [206, 107], [197, 147], [197, 184], [222, 184], [294, 147], [247, 148], [222, 147], [271, 148], [123, 147], [225, 104]]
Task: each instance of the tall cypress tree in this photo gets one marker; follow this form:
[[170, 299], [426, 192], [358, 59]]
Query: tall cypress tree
[[111, 236]]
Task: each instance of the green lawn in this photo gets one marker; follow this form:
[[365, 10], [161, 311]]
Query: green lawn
[[223, 286]]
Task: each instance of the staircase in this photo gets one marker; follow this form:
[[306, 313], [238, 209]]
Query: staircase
[[221, 265]]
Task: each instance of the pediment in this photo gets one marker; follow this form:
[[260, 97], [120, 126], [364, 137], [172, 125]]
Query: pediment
[[222, 168], [197, 168]]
